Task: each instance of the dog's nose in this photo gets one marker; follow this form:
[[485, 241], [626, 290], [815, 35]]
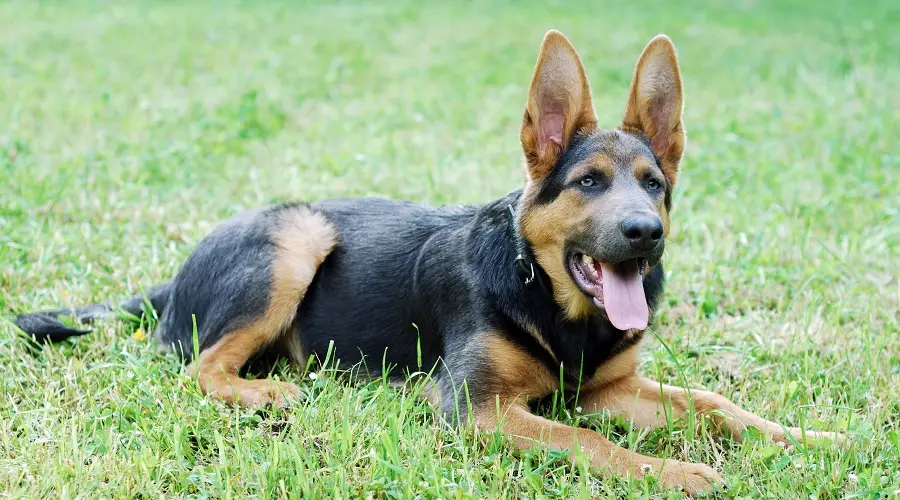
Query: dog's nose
[[643, 232]]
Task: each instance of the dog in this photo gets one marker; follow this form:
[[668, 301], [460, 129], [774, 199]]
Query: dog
[[550, 286]]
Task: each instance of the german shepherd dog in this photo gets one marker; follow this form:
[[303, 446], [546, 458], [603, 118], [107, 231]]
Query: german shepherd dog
[[551, 285]]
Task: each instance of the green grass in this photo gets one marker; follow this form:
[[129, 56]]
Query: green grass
[[128, 131]]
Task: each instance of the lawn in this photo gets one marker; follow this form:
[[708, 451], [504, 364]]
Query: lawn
[[128, 130]]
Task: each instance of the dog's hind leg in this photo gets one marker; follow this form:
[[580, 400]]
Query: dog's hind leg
[[302, 240]]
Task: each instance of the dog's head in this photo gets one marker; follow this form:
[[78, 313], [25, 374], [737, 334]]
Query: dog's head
[[595, 208]]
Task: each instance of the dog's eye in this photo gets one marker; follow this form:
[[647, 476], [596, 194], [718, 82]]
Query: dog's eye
[[653, 185], [588, 181]]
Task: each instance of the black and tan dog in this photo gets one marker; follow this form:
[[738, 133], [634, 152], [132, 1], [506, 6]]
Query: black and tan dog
[[555, 281]]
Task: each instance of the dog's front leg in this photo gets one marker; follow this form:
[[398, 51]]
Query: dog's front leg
[[646, 403], [506, 375], [512, 417]]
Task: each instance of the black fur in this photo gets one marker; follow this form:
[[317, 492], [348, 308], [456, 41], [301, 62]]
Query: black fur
[[47, 326], [407, 275], [617, 145], [405, 279], [223, 285], [408, 288]]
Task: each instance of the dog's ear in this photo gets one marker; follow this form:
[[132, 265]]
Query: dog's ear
[[559, 105], [655, 104]]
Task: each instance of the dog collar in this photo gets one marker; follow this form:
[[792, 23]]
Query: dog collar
[[523, 265]]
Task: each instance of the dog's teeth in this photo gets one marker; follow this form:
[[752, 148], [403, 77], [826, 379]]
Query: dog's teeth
[[589, 265]]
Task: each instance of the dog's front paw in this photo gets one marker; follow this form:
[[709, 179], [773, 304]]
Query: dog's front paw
[[692, 478], [811, 438]]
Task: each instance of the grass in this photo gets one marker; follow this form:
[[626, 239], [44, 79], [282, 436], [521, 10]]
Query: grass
[[129, 130]]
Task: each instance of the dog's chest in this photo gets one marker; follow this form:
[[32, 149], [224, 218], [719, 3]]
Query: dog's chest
[[585, 350]]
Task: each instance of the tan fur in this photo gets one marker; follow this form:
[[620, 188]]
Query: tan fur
[[303, 239], [518, 377], [527, 430], [516, 373], [217, 370], [292, 346], [641, 166], [617, 367], [655, 103], [616, 388], [532, 330], [664, 215], [544, 226], [645, 402], [559, 86], [597, 162], [654, 110]]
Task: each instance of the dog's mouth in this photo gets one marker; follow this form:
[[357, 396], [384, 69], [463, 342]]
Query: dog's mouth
[[617, 289]]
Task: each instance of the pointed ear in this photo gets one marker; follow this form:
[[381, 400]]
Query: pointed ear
[[655, 104], [559, 105]]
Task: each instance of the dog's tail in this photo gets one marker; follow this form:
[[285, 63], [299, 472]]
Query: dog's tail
[[47, 326]]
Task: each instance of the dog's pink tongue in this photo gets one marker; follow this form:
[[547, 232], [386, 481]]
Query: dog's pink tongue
[[623, 296]]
